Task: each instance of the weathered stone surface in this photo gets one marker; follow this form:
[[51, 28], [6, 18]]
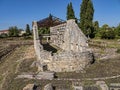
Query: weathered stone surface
[[28, 87], [74, 39], [114, 86], [37, 46], [57, 34], [69, 61], [48, 87], [75, 54], [102, 85], [77, 85]]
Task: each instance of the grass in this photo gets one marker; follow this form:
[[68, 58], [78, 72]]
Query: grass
[[115, 80], [109, 43]]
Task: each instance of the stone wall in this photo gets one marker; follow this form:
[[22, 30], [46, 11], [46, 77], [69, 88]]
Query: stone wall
[[57, 34], [68, 37], [74, 39], [75, 54], [70, 61]]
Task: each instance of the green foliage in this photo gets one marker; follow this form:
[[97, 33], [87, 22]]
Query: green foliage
[[107, 32], [86, 17], [13, 31], [96, 27], [70, 12], [3, 35], [44, 31], [28, 30], [118, 30], [82, 14]]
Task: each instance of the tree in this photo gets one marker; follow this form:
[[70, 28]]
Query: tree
[[3, 35], [83, 13], [43, 30], [96, 28], [107, 32], [105, 26], [118, 30], [13, 31], [86, 17], [70, 12], [28, 30], [96, 25]]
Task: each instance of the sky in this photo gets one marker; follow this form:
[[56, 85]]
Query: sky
[[21, 12]]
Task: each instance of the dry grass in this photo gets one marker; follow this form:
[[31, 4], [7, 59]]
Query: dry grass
[[14, 64]]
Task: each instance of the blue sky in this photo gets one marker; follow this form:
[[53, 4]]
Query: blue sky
[[21, 12]]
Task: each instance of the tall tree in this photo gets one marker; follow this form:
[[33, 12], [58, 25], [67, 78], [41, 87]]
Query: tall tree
[[70, 12], [86, 17], [96, 25], [67, 16], [28, 29], [83, 14], [96, 28]]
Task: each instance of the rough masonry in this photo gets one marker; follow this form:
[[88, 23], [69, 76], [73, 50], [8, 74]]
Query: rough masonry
[[75, 53]]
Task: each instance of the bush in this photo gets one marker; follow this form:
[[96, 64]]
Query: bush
[[13, 31], [3, 35], [107, 34]]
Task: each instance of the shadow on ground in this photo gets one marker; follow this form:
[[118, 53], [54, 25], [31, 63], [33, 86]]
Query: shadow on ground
[[49, 48]]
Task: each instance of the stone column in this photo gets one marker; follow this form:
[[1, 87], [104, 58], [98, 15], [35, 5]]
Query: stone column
[[37, 46]]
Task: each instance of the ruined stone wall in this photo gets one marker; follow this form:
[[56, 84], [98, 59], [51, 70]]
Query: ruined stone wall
[[75, 54], [68, 37], [74, 39], [57, 34], [70, 61], [41, 54]]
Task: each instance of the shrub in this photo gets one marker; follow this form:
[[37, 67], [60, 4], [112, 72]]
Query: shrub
[[3, 35], [107, 34]]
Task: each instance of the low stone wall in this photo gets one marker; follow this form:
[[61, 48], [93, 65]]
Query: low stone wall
[[73, 62]]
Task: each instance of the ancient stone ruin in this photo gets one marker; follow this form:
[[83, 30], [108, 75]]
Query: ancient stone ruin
[[74, 55]]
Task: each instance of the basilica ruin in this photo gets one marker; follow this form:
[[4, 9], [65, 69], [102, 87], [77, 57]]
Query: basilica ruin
[[74, 55]]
